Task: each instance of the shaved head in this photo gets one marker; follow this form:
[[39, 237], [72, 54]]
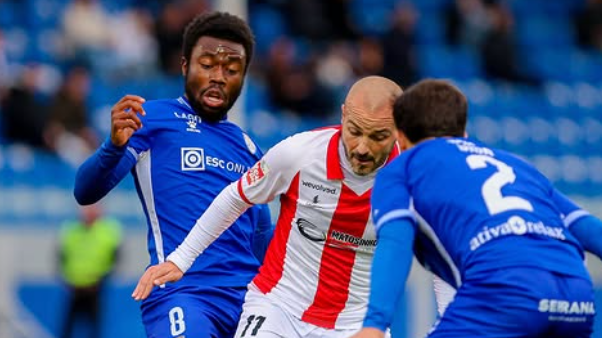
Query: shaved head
[[368, 128], [373, 95]]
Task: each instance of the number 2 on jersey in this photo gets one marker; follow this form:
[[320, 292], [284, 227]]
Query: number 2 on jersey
[[492, 187]]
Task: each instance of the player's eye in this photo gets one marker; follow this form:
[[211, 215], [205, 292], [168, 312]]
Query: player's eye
[[378, 137], [232, 71]]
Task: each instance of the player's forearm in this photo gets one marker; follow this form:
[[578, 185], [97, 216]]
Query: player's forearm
[[390, 269], [223, 211], [100, 173]]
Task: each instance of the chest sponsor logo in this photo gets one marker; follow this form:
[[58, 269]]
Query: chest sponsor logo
[[518, 226], [310, 230], [195, 159], [319, 187], [336, 239]]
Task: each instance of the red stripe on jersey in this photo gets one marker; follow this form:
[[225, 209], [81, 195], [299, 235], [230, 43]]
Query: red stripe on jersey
[[333, 162], [241, 192], [273, 264], [394, 153], [349, 221]]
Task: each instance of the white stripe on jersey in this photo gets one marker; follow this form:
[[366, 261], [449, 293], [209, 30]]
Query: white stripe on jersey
[[573, 216], [430, 233], [143, 170], [395, 214]]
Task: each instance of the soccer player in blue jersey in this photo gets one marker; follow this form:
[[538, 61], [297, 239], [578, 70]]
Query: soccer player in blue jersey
[[483, 220], [182, 152]]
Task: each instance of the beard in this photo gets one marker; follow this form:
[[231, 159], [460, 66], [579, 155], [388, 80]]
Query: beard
[[209, 114]]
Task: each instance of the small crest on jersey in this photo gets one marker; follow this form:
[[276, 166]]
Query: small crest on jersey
[[192, 125], [191, 120], [257, 173], [250, 144]]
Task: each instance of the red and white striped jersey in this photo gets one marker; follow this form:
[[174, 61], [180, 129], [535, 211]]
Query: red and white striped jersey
[[318, 264]]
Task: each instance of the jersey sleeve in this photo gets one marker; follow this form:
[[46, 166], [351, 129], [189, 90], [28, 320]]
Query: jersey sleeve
[[271, 175], [390, 196], [101, 172], [570, 211], [104, 169]]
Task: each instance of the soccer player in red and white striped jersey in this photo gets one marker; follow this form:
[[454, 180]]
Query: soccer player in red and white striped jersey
[[315, 279]]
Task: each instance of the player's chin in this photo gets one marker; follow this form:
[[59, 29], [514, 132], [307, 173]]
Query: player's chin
[[363, 170], [214, 114]]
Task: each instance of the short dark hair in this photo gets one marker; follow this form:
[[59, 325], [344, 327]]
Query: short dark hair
[[220, 25], [431, 108]]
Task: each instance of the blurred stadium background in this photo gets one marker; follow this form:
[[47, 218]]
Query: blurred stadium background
[[532, 70]]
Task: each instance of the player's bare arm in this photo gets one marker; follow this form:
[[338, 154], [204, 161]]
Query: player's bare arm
[[154, 276], [369, 332], [124, 118]]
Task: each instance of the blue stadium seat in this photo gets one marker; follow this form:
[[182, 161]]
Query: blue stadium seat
[[430, 29], [545, 30], [372, 17], [44, 13], [564, 64], [10, 14], [448, 62], [268, 25], [525, 9], [425, 6]]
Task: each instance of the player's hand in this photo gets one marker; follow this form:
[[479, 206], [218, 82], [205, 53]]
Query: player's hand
[[125, 120], [154, 276], [369, 332]]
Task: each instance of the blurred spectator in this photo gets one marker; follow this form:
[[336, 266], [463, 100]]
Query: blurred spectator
[[319, 20], [499, 51], [168, 28], [588, 23], [4, 70], [399, 55], [293, 84], [370, 57], [134, 45], [68, 132], [335, 70], [88, 254], [23, 113], [467, 22], [86, 29], [168, 33]]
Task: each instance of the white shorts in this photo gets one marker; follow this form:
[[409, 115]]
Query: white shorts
[[263, 318]]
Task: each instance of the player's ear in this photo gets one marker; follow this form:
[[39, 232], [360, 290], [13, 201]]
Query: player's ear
[[342, 112], [184, 65]]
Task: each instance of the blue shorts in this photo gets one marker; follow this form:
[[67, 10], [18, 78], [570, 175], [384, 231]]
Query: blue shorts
[[520, 303], [193, 311]]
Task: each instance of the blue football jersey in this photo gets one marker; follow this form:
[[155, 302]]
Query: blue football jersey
[[477, 209], [179, 165]]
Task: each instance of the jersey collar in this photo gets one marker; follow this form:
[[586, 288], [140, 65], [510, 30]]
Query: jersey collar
[[333, 161]]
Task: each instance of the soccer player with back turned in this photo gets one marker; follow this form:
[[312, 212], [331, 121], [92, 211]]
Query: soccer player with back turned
[[483, 220]]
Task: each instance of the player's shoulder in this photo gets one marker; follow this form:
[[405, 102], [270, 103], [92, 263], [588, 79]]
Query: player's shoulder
[[307, 142], [165, 108]]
